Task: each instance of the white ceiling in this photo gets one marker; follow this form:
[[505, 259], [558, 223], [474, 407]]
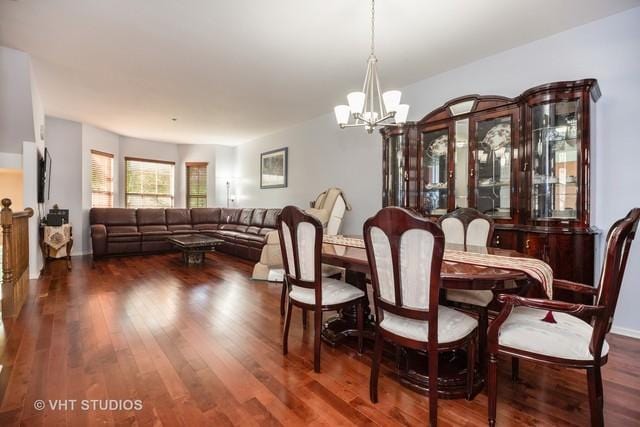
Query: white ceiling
[[234, 70]]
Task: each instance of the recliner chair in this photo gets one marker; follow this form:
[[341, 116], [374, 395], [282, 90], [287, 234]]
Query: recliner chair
[[329, 208]]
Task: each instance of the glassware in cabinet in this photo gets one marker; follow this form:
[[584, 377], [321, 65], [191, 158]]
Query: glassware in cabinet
[[555, 151]]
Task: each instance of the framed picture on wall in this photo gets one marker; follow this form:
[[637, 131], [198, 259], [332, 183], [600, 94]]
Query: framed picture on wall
[[274, 168]]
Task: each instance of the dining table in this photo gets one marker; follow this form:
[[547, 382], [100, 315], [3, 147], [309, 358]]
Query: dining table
[[411, 365]]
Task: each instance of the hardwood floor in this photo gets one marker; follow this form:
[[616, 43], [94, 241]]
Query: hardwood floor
[[202, 346]]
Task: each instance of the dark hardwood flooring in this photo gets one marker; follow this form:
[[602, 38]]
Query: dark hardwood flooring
[[202, 346]]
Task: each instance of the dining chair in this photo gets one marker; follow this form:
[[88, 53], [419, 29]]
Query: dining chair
[[470, 227], [564, 339], [301, 245], [405, 257]]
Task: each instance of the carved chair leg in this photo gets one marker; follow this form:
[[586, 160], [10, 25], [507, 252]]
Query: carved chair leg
[[492, 387], [433, 387], [471, 365], [360, 321], [283, 297], [483, 324], [375, 368], [515, 369], [317, 326], [596, 401], [285, 333]]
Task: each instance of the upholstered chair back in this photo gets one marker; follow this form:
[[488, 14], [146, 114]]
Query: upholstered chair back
[[301, 245], [405, 255], [619, 239], [466, 226]]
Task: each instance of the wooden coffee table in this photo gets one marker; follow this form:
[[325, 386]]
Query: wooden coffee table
[[194, 246]]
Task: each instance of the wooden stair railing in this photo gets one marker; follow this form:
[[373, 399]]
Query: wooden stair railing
[[15, 258]]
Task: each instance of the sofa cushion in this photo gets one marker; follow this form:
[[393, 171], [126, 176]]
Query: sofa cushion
[[271, 218], [205, 215], [177, 227], [253, 230], [227, 234], [155, 235], [151, 217], [265, 231], [178, 216], [112, 216], [185, 231], [257, 218], [245, 217], [210, 227], [253, 238], [124, 237], [229, 216], [115, 229], [233, 227], [147, 228]]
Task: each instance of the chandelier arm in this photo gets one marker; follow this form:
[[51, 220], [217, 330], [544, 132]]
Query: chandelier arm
[[383, 111]]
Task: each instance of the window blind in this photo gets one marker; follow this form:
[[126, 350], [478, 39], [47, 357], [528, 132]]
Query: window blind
[[101, 179], [196, 185], [148, 183]]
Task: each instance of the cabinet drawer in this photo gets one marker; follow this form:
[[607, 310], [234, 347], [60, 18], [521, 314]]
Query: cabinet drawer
[[505, 239], [535, 245]]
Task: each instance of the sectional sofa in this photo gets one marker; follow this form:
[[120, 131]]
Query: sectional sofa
[[117, 231]]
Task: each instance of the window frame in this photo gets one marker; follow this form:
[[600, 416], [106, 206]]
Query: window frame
[[188, 195], [109, 193], [143, 160]]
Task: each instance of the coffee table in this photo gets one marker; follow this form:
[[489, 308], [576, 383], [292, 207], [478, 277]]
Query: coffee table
[[194, 246]]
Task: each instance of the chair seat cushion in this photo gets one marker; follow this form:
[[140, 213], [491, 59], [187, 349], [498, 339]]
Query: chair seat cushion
[[333, 292], [567, 339], [452, 326], [478, 298]]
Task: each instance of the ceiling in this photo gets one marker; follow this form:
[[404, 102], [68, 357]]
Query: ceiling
[[232, 71]]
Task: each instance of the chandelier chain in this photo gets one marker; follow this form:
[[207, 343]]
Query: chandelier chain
[[373, 25]]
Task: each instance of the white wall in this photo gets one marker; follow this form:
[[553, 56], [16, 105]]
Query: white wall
[[16, 102], [609, 50], [64, 143], [11, 160], [30, 185]]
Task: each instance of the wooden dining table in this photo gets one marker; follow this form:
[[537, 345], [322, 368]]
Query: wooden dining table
[[411, 366]]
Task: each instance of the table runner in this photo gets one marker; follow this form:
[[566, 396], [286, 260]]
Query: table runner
[[56, 239], [534, 268]]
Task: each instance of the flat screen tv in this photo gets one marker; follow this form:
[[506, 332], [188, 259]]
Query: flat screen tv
[[44, 176]]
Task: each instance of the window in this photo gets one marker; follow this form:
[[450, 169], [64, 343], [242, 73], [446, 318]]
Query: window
[[196, 185], [148, 183], [101, 179]]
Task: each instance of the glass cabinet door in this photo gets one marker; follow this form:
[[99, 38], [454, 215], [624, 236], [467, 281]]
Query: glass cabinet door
[[435, 171], [394, 188], [491, 172], [555, 155]]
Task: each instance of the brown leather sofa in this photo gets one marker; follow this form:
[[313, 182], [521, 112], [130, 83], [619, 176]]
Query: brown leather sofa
[[117, 231]]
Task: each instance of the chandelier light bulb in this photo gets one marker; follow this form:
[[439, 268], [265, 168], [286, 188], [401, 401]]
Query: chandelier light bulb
[[402, 111], [356, 102], [342, 114], [391, 100]]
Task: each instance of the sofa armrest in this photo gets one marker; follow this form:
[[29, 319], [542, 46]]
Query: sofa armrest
[[99, 239]]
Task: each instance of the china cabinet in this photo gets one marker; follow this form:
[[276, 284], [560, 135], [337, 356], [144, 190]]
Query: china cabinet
[[525, 161]]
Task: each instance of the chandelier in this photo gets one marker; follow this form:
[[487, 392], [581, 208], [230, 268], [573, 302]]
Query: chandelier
[[371, 108]]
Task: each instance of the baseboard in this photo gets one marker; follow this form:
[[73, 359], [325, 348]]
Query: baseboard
[[627, 332]]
